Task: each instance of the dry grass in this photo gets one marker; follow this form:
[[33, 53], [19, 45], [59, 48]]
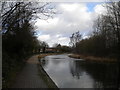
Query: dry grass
[[46, 54], [75, 56], [93, 58]]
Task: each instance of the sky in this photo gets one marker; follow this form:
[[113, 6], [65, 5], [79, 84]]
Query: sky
[[72, 17]]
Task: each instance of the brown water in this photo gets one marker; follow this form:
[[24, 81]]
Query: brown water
[[68, 72]]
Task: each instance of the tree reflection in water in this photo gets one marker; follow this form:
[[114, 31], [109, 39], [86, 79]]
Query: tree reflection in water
[[75, 69], [44, 62], [104, 74]]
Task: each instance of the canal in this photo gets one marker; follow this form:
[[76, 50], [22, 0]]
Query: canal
[[69, 72]]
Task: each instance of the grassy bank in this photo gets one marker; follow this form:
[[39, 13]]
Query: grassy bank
[[9, 73], [8, 82], [47, 54], [15, 70], [92, 58]]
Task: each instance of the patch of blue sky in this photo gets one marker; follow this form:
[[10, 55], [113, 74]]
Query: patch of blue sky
[[38, 33], [91, 5]]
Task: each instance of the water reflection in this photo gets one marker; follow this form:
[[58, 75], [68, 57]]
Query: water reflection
[[44, 62], [75, 73], [75, 69], [104, 75]]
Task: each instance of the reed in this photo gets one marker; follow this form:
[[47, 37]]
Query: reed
[[46, 54], [92, 58]]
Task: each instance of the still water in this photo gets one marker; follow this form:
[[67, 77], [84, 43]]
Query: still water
[[68, 72]]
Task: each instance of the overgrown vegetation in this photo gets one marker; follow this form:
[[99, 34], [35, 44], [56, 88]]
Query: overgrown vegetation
[[61, 48], [105, 38], [18, 35]]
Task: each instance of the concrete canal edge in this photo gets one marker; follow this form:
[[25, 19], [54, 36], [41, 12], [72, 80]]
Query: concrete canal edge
[[46, 78]]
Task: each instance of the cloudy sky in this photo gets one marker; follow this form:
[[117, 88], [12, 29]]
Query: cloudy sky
[[72, 17]]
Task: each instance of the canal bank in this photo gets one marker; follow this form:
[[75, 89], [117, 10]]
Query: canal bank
[[43, 74], [46, 78], [93, 58], [32, 76]]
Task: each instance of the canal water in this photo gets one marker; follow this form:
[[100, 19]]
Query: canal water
[[69, 72]]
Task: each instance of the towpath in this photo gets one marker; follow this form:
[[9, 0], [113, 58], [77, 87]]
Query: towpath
[[29, 77]]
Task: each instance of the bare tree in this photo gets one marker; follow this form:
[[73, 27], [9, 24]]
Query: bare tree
[[114, 13], [18, 35], [75, 38], [108, 26]]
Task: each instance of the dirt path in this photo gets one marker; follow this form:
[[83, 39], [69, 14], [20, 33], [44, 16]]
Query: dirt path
[[29, 77]]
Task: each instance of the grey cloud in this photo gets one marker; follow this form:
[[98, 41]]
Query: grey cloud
[[74, 17]]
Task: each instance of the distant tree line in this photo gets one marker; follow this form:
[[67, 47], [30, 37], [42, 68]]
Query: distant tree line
[[18, 36], [105, 38], [61, 48]]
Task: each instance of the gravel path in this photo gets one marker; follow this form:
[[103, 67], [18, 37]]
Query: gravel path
[[29, 77]]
